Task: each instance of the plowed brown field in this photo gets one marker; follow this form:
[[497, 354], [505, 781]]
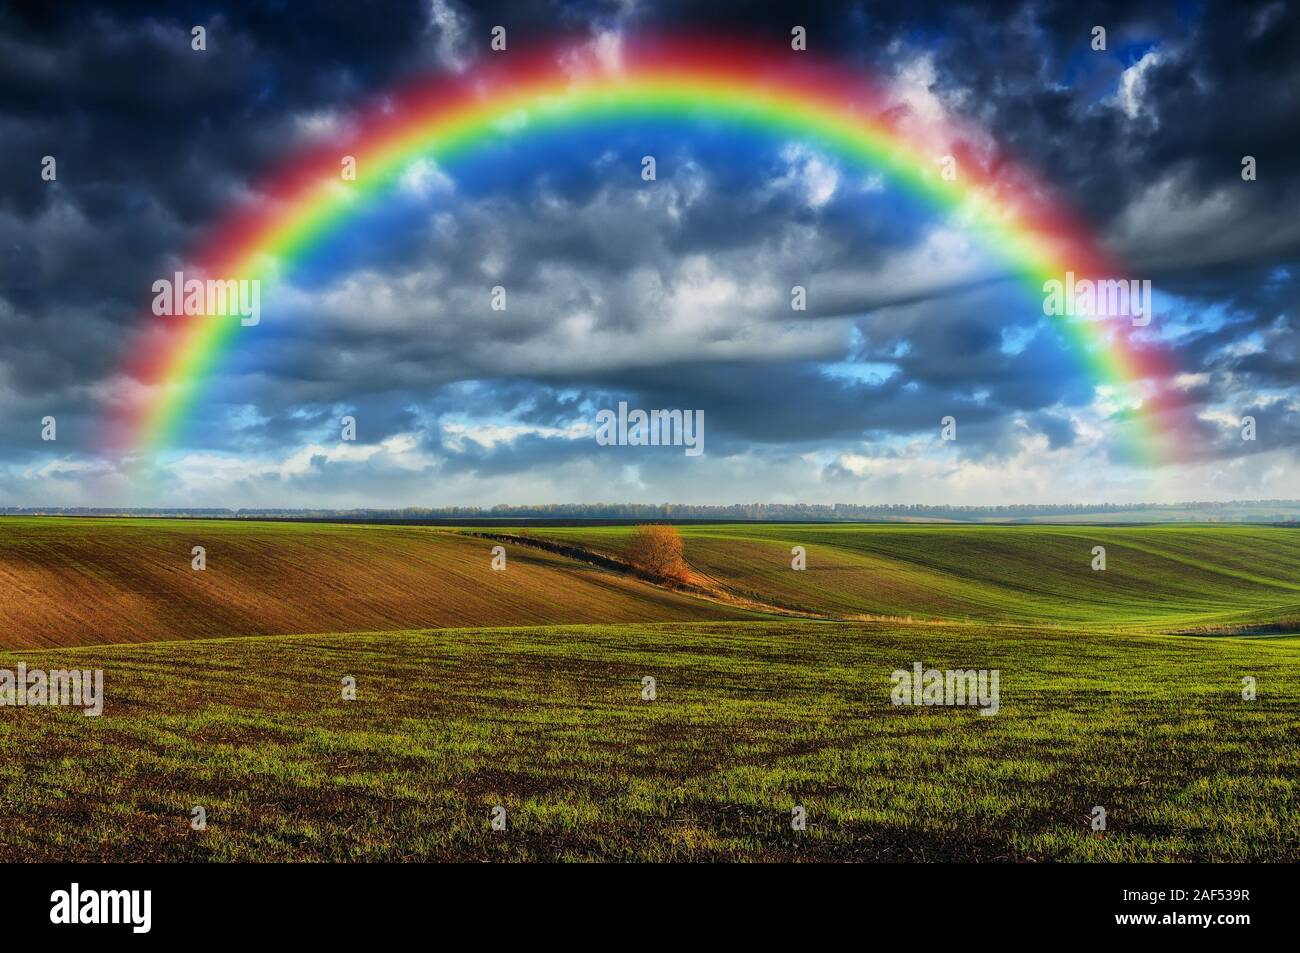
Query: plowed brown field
[[70, 582]]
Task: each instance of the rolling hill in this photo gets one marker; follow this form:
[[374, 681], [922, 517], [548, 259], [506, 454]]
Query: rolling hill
[[1156, 577], [84, 582], [94, 581]]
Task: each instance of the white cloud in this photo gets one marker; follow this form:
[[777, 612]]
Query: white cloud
[[422, 177], [399, 472], [451, 27], [914, 85], [491, 435], [809, 173], [1132, 86]]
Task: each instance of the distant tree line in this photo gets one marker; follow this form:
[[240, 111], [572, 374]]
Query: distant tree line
[[1270, 510]]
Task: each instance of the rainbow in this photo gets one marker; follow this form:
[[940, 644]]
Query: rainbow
[[773, 91]]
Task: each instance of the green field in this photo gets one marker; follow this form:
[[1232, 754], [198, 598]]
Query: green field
[[1099, 704], [1156, 578]]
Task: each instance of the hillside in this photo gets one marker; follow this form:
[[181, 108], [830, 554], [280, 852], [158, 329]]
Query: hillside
[[91, 581], [1160, 577], [82, 582]]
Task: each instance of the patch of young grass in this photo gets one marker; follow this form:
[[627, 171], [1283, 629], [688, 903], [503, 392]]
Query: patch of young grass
[[750, 719]]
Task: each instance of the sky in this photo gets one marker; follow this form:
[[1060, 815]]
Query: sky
[[663, 294]]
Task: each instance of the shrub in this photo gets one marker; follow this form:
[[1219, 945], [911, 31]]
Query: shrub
[[656, 551]]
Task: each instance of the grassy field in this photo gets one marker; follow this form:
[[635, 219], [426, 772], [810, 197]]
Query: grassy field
[[479, 688], [1157, 577], [750, 720]]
